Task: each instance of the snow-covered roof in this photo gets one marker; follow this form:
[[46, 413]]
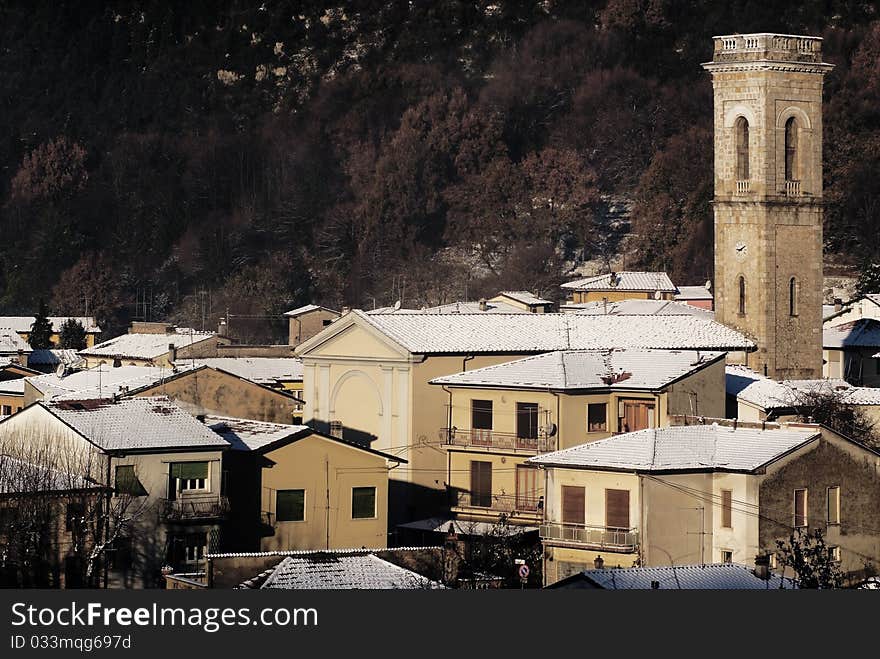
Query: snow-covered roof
[[12, 387], [19, 476], [23, 323], [252, 435], [55, 356], [861, 333], [151, 423], [11, 343], [456, 308], [637, 308], [693, 293], [625, 369], [525, 297], [715, 576], [769, 394], [328, 570], [146, 346], [683, 448], [624, 281], [102, 381], [262, 370], [299, 311], [527, 332]]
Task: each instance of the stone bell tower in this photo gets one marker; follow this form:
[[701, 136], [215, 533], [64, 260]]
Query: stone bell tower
[[768, 197]]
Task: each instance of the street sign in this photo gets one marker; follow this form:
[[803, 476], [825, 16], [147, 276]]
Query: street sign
[[523, 572]]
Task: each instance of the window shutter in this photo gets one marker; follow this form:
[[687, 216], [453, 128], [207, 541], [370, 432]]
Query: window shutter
[[617, 509], [189, 470], [800, 507], [573, 509], [727, 508], [481, 483]]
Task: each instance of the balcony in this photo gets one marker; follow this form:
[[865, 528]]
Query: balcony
[[792, 188], [592, 537], [493, 439], [743, 187], [501, 503], [194, 508]]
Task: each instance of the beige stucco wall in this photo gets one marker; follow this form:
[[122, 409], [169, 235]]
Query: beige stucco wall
[[305, 326], [700, 394], [578, 297], [321, 466]]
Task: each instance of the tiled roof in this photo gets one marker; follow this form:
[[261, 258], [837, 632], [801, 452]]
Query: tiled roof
[[768, 394], [861, 333], [263, 370], [606, 369], [624, 281], [717, 576], [135, 424], [638, 308], [53, 357], [251, 435], [693, 293], [327, 570], [102, 381], [18, 476], [455, 308], [526, 297], [23, 323], [682, 448], [11, 343], [299, 311], [479, 333], [146, 346]]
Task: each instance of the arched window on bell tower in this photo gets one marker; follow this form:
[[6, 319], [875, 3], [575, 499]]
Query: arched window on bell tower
[[791, 147], [792, 297], [742, 294], [741, 129]]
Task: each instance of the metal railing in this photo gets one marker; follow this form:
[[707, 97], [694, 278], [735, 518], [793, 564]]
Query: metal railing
[[792, 188], [506, 503], [501, 440], [194, 508], [601, 537], [743, 187]]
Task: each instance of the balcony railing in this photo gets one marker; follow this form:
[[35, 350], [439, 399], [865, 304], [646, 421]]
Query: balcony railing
[[743, 187], [598, 537], [792, 188], [502, 503], [194, 508], [499, 440]]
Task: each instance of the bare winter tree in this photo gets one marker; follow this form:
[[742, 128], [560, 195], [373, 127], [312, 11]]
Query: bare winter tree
[[832, 407]]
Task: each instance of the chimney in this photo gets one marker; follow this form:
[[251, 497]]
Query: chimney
[[173, 350], [762, 566], [838, 304], [483, 304], [221, 327]]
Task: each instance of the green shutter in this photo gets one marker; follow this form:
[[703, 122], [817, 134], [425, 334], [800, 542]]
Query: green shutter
[[290, 505], [189, 470], [363, 502], [127, 482]]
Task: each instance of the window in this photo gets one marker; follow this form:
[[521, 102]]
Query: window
[[7, 410], [481, 484], [834, 553], [481, 414], [336, 429], [637, 415], [290, 505], [128, 483], [792, 297], [597, 417], [194, 546], [742, 295], [363, 502], [726, 556], [727, 509], [73, 516], [189, 476], [617, 509], [791, 146], [834, 505], [800, 507], [742, 149], [526, 487], [527, 420], [326, 322], [573, 508]]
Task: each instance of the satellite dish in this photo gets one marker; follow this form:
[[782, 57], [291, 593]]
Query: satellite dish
[[657, 295], [61, 370], [397, 306], [550, 429]]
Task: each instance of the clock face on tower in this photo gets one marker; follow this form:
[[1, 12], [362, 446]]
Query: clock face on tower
[[741, 250]]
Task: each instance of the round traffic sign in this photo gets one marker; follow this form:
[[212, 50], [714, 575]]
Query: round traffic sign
[[523, 571]]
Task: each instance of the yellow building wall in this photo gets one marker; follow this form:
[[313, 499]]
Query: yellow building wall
[[578, 297], [14, 403], [325, 468], [55, 338]]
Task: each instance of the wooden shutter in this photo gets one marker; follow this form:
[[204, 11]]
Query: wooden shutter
[[834, 505], [573, 508], [727, 509], [481, 483], [526, 488], [800, 507], [617, 509]]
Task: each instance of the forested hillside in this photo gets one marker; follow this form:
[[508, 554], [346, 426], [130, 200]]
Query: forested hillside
[[205, 156]]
